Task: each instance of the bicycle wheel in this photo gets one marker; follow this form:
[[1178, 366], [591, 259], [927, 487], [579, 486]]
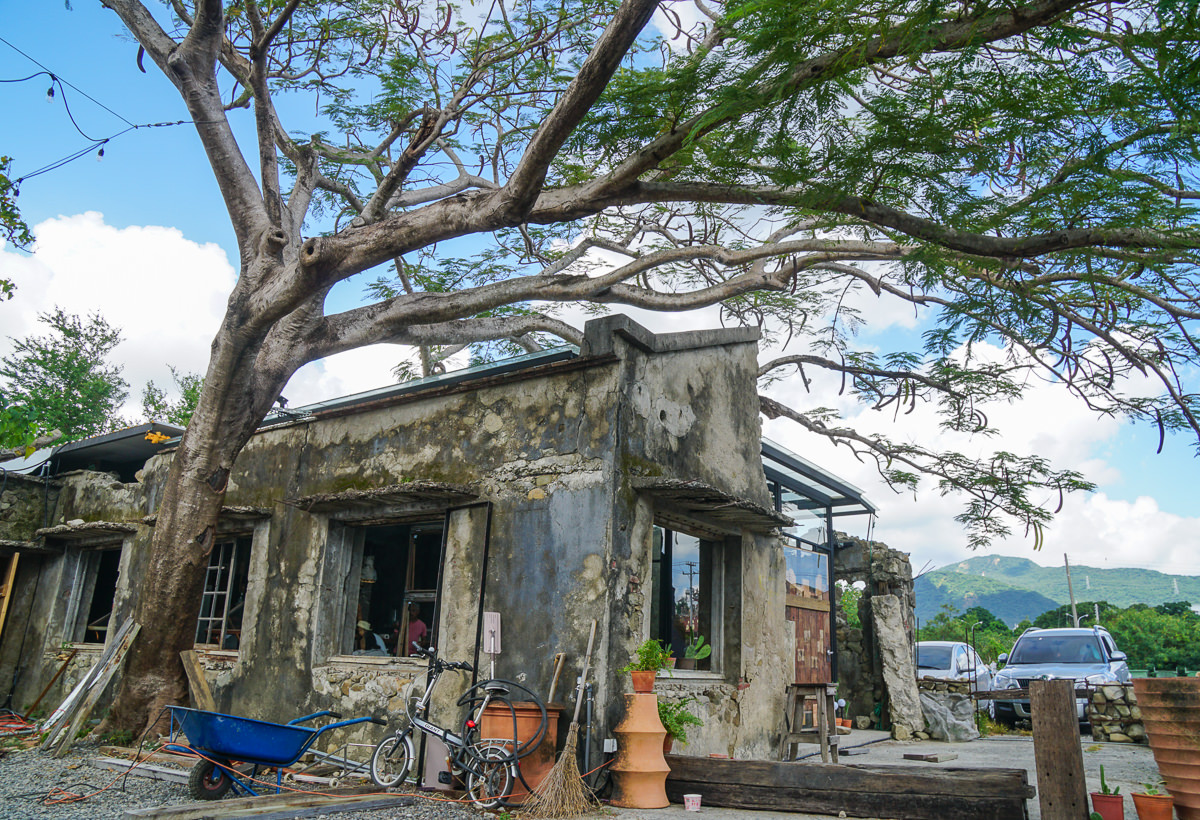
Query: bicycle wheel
[[490, 775], [503, 696], [393, 760]]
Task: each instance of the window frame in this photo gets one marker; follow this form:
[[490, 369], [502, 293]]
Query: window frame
[[345, 544], [84, 570], [713, 563], [236, 540]]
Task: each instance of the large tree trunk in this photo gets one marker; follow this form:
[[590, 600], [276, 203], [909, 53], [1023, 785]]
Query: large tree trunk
[[239, 389]]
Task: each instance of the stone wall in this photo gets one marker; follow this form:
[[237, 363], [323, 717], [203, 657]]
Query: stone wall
[[1115, 716], [884, 571]]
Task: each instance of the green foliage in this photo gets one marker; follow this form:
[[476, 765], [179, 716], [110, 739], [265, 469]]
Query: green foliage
[[157, 407], [676, 718], [1104, 789], [697, 649], [992, 636], [13, 229], [63, 377], [651, 656], [848, 598]]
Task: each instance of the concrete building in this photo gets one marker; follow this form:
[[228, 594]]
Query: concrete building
[[623, 483]]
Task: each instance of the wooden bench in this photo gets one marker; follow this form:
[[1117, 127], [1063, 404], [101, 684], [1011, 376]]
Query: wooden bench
[[900, 792]]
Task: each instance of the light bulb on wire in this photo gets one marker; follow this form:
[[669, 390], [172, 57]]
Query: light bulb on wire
[[100, 154]]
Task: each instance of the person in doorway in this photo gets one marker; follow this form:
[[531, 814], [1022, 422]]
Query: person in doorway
[[418, 630], [366, 641]]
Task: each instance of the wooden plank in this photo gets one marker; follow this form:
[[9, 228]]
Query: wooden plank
[[897, 779], [854, 804], [202, 697], [801, 602], [1057, 753], [127, 753], [274, 807], [930, 757], [148, 770], [108, 669]]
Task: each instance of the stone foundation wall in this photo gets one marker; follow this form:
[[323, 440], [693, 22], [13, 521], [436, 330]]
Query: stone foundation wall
[[1115, 716]]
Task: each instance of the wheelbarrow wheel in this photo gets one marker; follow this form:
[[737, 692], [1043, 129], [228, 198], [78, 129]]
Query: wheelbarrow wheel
[[392, 761], [208, 781], [490, 774]]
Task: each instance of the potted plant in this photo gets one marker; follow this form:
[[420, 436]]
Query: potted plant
[[1107, 802], [648, 659], [1153, 804], [675, 719], [696, 650]]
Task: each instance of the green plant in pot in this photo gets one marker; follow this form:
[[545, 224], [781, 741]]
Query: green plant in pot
[[1107, 802], [1153, 803], [696, 650], [675, 719], [648, 658]]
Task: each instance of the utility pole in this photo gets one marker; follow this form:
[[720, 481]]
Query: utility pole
[[1070, 590]]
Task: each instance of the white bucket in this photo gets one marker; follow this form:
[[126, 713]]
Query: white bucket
[[691, 802]]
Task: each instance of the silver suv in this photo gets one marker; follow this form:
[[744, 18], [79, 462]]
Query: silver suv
[[1088, 656]]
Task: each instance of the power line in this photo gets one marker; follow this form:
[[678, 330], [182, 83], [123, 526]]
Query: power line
[[96, 142], [65, 82]]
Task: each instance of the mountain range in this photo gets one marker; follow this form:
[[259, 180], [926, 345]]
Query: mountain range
[[1013, 589]]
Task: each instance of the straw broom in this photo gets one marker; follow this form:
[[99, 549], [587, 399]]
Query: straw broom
[[562, 793]]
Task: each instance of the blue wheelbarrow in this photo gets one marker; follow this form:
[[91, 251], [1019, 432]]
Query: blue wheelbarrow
[[224, 739]]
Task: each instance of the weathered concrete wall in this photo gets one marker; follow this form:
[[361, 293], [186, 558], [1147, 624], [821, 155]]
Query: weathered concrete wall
[[23, 505], [551, 455]]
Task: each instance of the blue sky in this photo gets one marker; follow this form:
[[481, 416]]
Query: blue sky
[[159, 239]]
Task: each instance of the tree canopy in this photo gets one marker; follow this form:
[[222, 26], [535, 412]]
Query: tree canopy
[[1022, 174], [61, 381]]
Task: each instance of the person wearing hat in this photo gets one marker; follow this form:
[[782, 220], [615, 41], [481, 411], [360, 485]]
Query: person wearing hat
[[366, 640]]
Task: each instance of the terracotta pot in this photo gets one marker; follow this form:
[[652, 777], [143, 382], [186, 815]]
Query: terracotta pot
[[685, 663], [498, 723], [1108, 806], [1153, 806], [667, 743], [643, 682], [1171, 714], [639, 772]]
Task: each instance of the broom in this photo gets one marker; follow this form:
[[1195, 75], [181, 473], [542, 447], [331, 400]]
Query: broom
[[562, 793]]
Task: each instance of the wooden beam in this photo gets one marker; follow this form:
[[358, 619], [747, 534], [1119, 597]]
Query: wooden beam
[[108, 668], [1057, 753], [273, 807], [901, 792], [148, 770], [201, 694]]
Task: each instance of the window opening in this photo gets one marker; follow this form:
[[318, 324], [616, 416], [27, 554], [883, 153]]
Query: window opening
[[101, 570], [683, 604], [221, 607], [397, 589]]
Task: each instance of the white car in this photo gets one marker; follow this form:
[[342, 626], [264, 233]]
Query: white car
[[949, 660]]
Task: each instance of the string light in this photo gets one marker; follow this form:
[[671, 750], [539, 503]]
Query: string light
[[50, 90], [100, 154]]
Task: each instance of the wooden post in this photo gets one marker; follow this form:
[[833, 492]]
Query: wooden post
[[1062, 791]]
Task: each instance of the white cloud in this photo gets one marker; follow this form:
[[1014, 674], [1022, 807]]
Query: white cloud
[[167, 295]]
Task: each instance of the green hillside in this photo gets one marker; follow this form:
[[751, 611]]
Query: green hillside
[[1017, 588], [1007, 602]]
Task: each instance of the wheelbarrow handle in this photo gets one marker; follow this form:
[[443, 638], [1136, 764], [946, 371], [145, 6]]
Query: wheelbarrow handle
[[379, 721], [314, 716]]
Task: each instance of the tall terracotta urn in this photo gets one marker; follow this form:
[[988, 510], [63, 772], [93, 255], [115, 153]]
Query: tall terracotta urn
[[640, 772], [1171, 714]]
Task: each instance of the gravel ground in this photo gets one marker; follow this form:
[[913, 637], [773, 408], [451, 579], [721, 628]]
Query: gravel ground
[[27, 778]]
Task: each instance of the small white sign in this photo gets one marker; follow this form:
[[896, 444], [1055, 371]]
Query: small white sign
[[491, 633]]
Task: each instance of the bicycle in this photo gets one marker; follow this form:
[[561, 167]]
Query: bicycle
[[490, 765]]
